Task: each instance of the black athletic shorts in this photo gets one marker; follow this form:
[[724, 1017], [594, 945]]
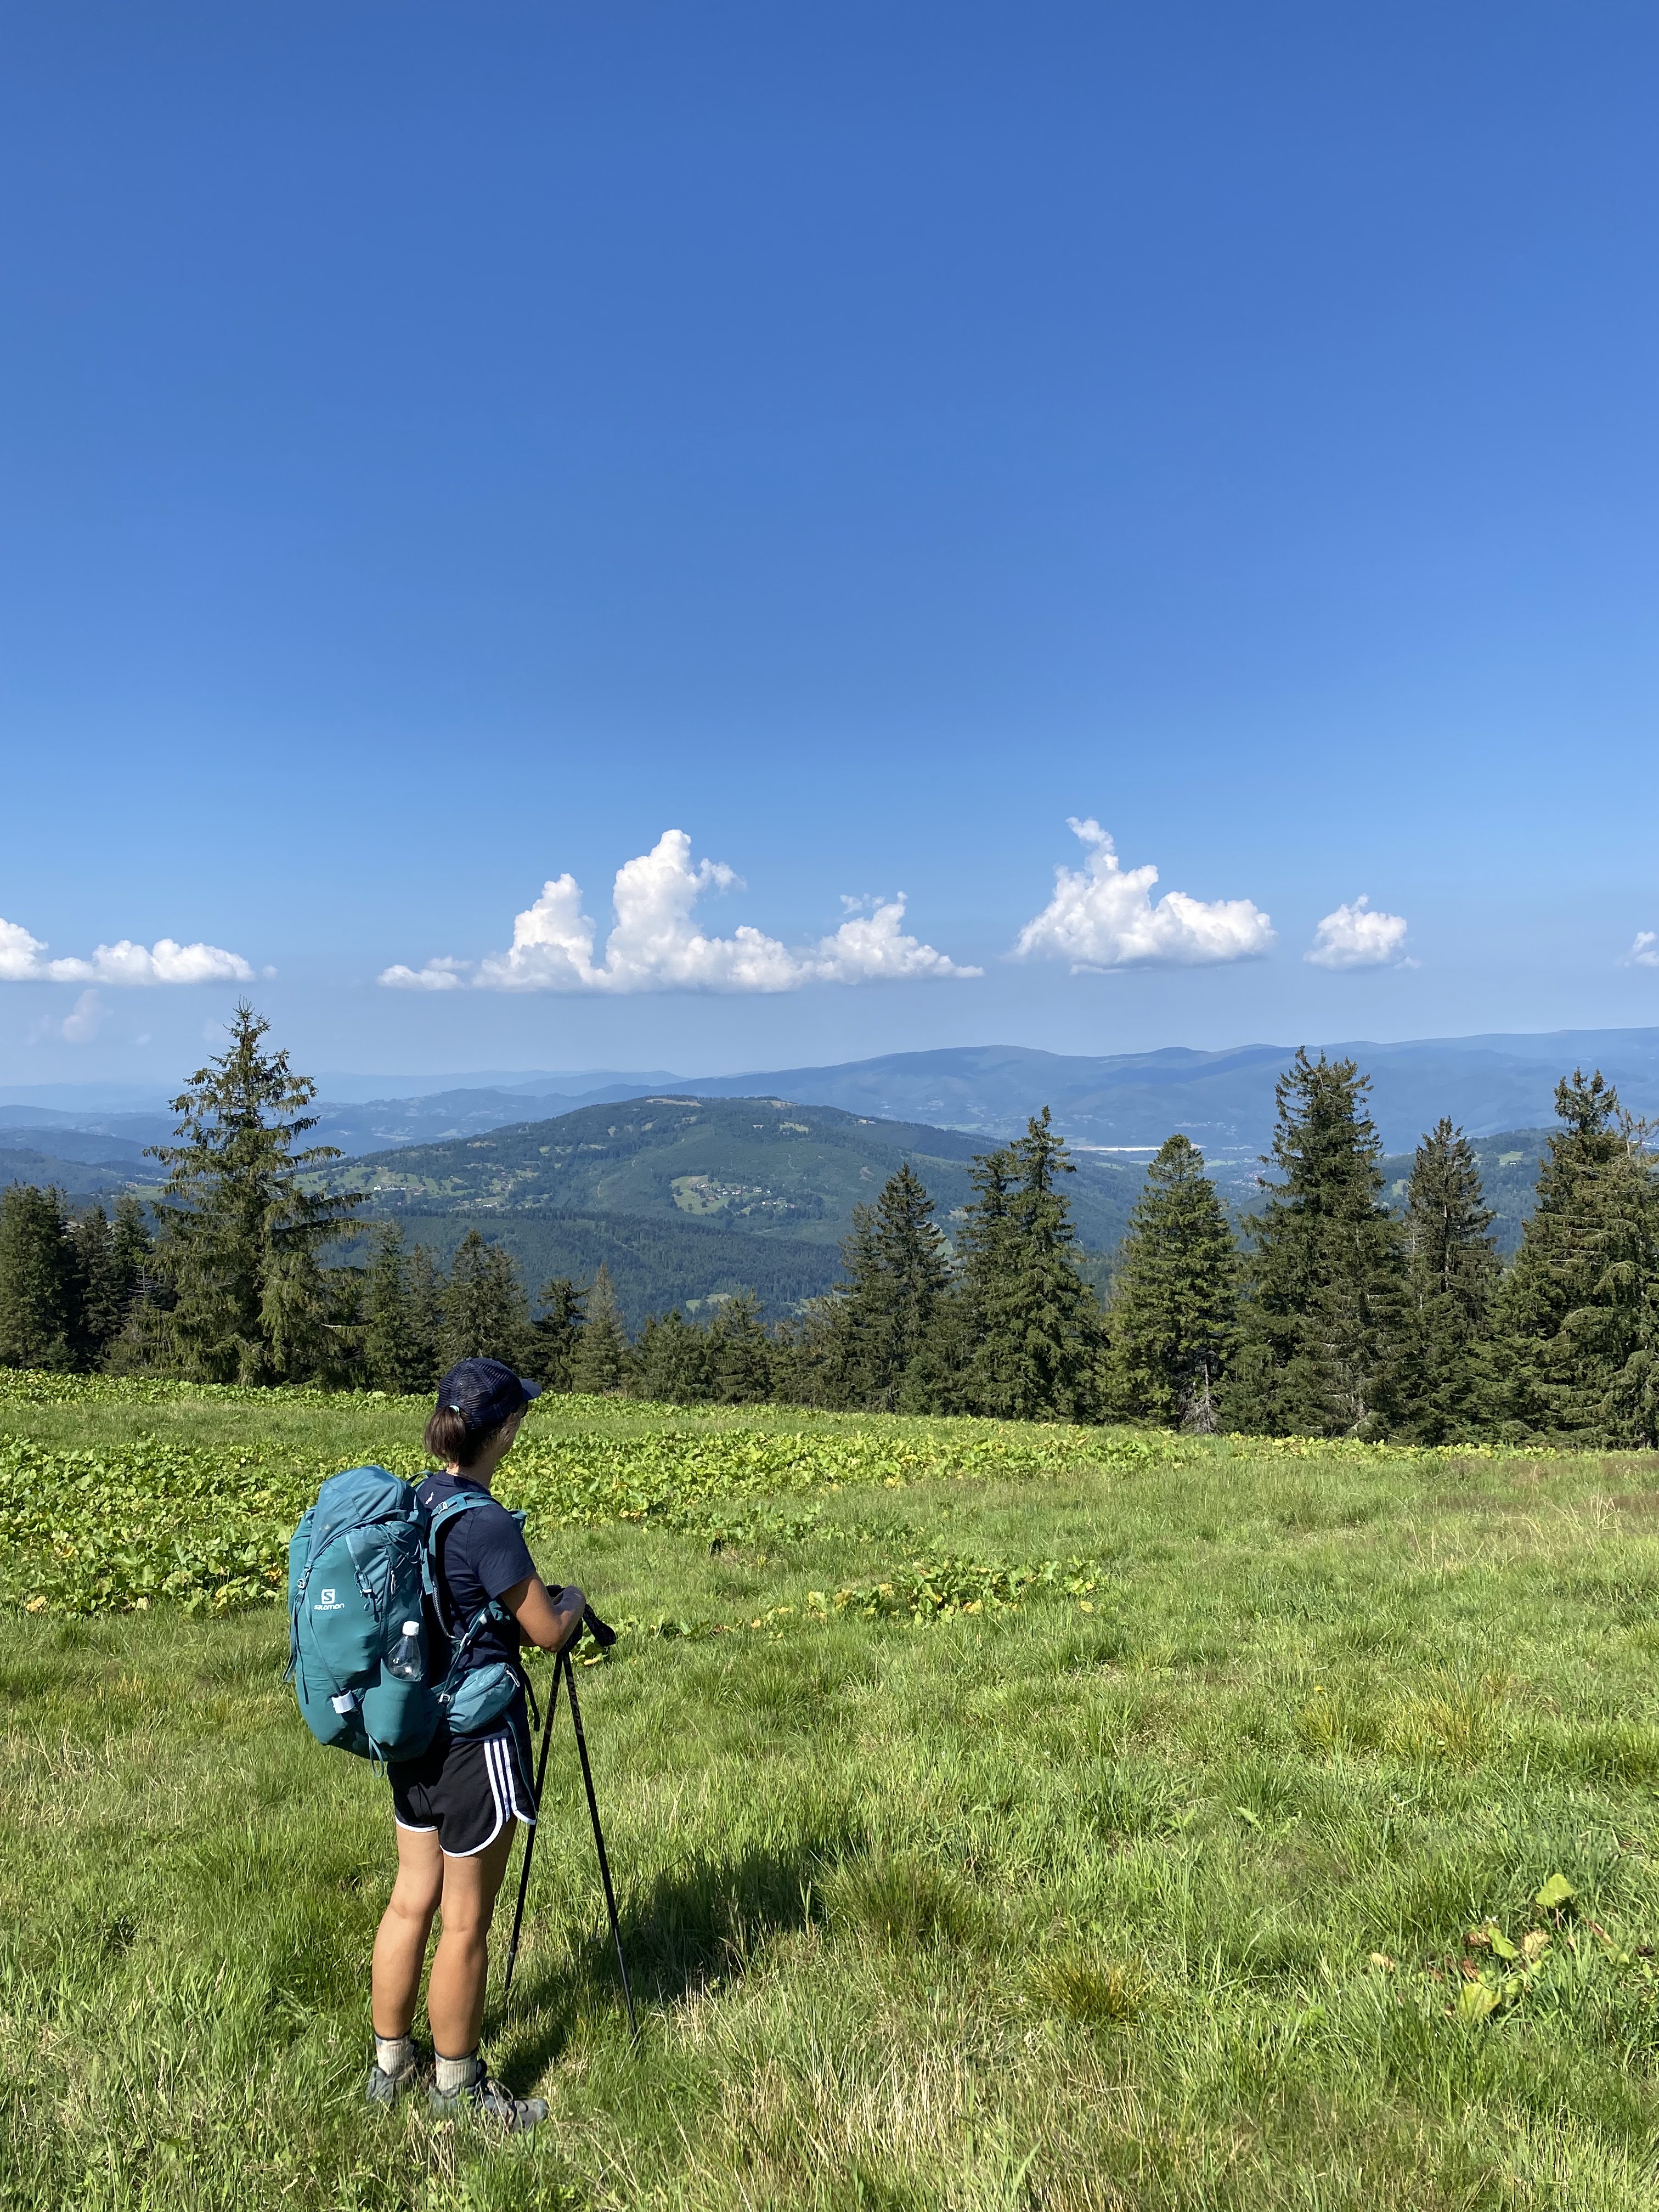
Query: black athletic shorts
[[464, 1790]]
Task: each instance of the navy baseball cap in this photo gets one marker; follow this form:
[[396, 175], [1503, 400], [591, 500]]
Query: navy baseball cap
[[485, 1392]]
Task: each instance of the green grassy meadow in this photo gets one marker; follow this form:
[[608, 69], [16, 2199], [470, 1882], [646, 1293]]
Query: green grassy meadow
[[1002, 1818]]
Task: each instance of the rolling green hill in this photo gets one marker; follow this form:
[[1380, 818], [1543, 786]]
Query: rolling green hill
[[759, 1168], [75, 1178]]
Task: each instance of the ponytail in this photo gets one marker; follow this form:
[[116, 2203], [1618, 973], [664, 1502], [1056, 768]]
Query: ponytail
[[447, 1439]]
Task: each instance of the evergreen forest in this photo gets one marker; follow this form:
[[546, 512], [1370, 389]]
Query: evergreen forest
[[1324, 1310]]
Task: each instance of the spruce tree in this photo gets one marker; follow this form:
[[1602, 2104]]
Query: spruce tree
[[343, 1328], [132, 1249], [1173, 1320], [1578, 1305], [143, 1344], [39, 1315], [898, 1269], [132, 1282], [99, 1307], [1452, 1273], [1325, 1322], [112, 1263], [803, 1357], [601, 1360], [485, 1313], [672, 1361], [557, 1331], [241, 1231], [739, 1356], [844, 1355], [1036, 1321], [400, 1329], [424, 1287], [960, 1350]]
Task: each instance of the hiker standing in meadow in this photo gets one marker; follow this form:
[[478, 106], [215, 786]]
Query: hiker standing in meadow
[[455, 1804]]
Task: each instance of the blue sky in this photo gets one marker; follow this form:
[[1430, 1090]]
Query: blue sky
[[445, 449]]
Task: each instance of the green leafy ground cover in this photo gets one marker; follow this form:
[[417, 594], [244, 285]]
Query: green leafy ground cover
[[1004, 1818]]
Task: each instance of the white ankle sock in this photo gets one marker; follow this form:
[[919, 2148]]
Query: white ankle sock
[[455, 2073], [393, 2052]]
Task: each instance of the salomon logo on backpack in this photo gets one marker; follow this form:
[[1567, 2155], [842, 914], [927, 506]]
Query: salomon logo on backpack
[[359, 1570]]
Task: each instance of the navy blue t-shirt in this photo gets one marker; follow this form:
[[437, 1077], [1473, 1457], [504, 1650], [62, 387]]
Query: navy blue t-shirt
[[481, 1553]]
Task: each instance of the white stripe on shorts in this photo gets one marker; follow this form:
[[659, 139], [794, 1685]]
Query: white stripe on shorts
[[503, 1787]]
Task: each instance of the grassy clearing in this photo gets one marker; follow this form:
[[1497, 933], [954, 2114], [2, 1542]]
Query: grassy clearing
[[1156, 1892]]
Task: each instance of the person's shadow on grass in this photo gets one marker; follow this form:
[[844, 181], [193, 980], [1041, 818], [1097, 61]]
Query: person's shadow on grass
[[696, 1926]]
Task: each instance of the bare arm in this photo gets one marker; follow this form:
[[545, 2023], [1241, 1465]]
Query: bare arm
[[549, 1622]]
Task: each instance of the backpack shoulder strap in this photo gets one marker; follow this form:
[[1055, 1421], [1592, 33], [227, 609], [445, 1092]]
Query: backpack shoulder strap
[[461, 1502]]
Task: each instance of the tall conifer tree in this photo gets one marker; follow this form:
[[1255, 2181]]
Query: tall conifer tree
[[99, 1306], [739, 1357], [557, 1331], [602, 1358], [400, 1331], [242, 1232], [1174, 1314], [1324, 1324], [1578, 1308], [143, 1344], [672, 1361], [132, 1248], [1035, 1324], [39, 1306], [1453, 1272], [898, 1269], [960, 1352], [425, 1289], [485, 1313]]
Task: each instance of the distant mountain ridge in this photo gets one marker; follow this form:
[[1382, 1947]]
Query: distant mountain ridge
[[1223, 1100]]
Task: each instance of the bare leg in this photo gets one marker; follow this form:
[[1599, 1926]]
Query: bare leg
[[400, 1944], [455, 1994]]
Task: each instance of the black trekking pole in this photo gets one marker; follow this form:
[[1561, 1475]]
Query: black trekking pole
[[530, 1839], [598, 1843]]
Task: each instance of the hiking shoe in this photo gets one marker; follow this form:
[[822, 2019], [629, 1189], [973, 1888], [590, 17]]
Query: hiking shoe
[[383, 2089], [485, 2098]]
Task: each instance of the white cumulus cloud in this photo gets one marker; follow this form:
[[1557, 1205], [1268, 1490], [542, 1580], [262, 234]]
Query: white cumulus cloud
[[436, 975], [657, 945], [1358, 937], [1104, 916], [23, 960], [20, 955], [868, 947], [1644, 953]]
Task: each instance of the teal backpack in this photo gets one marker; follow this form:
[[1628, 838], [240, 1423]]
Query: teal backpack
[[362, 1569]]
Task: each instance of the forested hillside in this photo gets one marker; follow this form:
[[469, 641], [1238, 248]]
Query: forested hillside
[[765, 1253], [760, 1167]]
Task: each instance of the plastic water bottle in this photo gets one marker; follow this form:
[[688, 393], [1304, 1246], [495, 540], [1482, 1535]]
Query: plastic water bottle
[[404, 1660]]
